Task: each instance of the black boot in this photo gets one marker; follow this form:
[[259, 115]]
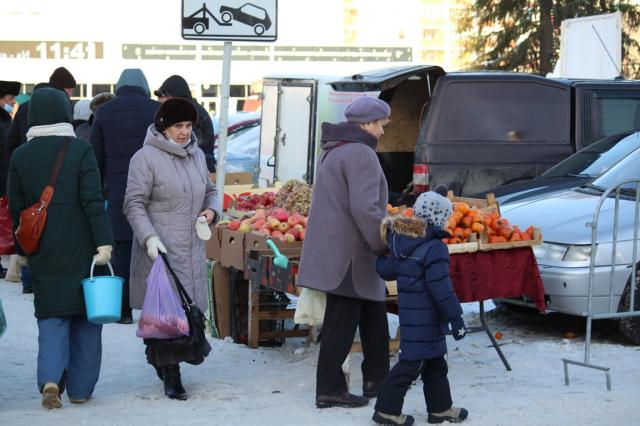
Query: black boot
[[160, 373], [173, 383]]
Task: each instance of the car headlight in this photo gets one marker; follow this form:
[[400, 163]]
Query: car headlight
[[550, 251], [578, 254]]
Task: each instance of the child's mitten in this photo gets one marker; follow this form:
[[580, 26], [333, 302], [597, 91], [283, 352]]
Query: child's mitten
[[458, 329]]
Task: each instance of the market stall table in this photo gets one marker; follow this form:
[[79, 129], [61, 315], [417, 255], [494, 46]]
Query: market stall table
[[496, 274]]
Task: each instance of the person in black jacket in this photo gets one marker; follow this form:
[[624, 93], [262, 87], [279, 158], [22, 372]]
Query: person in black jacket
[[419, 262], [8, 90], [117, 132], [176, 86]]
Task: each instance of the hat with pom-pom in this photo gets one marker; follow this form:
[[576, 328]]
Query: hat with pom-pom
[[434, 207]]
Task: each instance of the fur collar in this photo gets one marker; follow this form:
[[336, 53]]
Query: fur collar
[[410, 226], [57, 129]]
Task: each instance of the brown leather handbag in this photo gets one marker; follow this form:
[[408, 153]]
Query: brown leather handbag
[[33, 219]]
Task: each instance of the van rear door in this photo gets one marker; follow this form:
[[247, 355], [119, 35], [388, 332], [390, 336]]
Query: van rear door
[[492, 128], [408, 91]]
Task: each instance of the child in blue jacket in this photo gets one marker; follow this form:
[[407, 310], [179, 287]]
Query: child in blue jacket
[[419, 262]]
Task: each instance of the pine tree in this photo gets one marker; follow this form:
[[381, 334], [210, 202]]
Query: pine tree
[[524, 35]]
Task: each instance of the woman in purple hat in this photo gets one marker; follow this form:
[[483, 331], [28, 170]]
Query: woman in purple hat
[[339, 254]]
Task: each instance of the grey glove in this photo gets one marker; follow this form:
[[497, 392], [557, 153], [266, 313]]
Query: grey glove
[[458, 329]]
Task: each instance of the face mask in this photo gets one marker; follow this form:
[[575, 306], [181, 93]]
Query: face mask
[[8, 108]]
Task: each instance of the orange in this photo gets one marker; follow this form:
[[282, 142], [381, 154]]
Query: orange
[[515, 237], [472, 213], [466, 221], [458, 232], [505, 232], [462, 207], [452, 223], [467, 232], [408, 212], [478, 218], [477, 227], [454, 240]]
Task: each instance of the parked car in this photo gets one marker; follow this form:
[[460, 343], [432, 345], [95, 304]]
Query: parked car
[[564, 256], [243, 144], [572, 172]]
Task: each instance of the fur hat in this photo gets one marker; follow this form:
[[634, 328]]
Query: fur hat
[[367, 109], [62, 78], [434, 206], [175, 110], [10, 88], [99, 99]]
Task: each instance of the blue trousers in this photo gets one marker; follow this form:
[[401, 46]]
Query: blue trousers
[[69, 352], [25, 277]]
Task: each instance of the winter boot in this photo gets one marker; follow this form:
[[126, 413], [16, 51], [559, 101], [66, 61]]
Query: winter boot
[[370, 389], [347, 399], [173, 383], [79, 400], [452, 415], [160, 373], [51, 396], [389, 419]]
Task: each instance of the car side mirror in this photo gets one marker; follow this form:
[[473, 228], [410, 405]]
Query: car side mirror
[[271, 161]]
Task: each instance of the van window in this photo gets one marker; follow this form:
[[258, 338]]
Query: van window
[[616, 115], [499, 111]]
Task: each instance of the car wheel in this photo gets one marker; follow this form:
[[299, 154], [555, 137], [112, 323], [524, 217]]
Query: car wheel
[[258, 29], [630, 326], [199, 28], [226, 17]]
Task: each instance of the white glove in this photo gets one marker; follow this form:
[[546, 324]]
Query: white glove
[[103, 256], [22, 260], [202, 228], [154, 245]]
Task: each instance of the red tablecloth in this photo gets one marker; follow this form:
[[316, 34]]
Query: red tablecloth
[[497, 273]]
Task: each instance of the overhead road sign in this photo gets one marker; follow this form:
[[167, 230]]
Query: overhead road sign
[[230, 20]]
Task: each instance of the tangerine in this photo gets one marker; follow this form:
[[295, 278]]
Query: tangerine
[[408, 212], [462, 207], [477, 227], [455, 240], [505, 232], [458, 232], [466, 221]]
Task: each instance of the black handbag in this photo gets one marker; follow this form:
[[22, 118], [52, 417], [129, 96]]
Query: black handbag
[[196, 342]]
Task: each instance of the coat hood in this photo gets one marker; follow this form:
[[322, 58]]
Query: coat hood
[[332, 134], [158, 140], [49, 106], [175, 86], [404, 234], [133, 77]]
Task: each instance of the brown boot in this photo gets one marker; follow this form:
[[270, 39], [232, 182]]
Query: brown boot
[[51, 396]]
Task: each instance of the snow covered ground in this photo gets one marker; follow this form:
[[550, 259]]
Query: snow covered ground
[[275, 386]]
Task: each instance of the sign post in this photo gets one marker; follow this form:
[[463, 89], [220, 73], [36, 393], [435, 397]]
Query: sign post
[[228, 20]]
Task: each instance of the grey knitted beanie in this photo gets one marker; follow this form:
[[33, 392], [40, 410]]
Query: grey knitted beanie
[[434, 207]]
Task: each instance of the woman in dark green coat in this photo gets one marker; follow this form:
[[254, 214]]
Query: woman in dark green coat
[[70, 347]]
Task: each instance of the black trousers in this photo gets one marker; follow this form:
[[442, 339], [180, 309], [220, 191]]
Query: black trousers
[[437, 394], [341, 319], [121, 266]]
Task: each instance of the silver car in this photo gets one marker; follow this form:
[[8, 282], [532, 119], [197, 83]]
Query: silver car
[[564, 256]]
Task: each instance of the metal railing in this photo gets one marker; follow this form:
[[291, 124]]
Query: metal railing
[[613, 310]]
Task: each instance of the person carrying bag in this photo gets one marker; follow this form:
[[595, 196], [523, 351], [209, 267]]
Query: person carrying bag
[[169, 194]]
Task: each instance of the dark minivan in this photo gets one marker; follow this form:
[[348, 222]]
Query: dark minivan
[[476, 130]]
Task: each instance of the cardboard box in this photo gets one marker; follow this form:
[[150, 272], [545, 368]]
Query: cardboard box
[[256, 241], [235, 178], [232, 249], [212, 246]]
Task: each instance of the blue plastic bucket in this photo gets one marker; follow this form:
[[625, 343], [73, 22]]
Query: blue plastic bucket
[[103, 297]]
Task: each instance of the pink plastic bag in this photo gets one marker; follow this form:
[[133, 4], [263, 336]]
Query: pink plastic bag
[[162, 314]]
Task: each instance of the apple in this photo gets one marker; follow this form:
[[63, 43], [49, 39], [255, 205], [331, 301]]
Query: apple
[[294, 232], [289, 238], [234, 225], [244, 227], [273, 223], [283, 227], [299, 227], [265, 231], [302, 234], [293, 221], [258, 224], [276, 234]]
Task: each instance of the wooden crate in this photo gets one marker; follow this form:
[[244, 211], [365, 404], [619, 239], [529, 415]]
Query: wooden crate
[[484, 245], [468, 247]]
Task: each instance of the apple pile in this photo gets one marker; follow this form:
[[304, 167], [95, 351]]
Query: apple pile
[[274, 223], [250, 202]]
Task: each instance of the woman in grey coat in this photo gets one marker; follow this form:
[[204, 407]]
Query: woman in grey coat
[[339, 252], [169, 192]]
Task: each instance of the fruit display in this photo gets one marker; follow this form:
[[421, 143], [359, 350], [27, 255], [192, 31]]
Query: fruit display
[[485, 223], [400, 210], [294, 197], [249, 202], [275, 223]]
